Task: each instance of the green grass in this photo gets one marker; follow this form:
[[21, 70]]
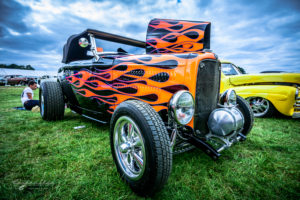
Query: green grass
[[51, 160]]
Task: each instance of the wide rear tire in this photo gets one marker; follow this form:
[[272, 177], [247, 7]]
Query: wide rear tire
[[52, 105], [140, 147]]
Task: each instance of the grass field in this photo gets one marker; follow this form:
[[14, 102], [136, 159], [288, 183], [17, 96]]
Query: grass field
[[52, 160]]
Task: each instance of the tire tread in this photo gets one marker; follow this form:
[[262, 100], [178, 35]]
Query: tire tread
[[162, 147], [54, 105]]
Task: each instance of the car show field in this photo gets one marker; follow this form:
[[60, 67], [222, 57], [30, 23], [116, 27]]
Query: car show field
[[52, 160]]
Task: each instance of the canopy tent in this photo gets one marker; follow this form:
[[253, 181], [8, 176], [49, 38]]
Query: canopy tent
[[31, 73]]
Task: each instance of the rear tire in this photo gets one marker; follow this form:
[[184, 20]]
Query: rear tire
[[52, 105], [147, 174], [245, 108]]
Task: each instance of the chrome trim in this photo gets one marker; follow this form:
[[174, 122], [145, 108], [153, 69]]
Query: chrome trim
[[260, 106], [83, 42], [173, 137], [224, 99], [88, 117], [129, 148], [232, 121], [173, 105], [296, 115], [42, 105], [94, 47], [224, 121], [296, 105]]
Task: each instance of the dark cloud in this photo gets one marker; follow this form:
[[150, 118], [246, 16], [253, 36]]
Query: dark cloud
[[28, 42], [11, 15], [2, 32], [258, 34]]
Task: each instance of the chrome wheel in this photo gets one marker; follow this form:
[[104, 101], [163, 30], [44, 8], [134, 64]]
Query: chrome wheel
[[129, 148], [42, 105], [259, 106]]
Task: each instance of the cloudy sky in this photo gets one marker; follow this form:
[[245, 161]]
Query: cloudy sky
[[257, 35]]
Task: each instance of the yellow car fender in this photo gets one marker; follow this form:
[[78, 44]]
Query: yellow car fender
[[282, 97]]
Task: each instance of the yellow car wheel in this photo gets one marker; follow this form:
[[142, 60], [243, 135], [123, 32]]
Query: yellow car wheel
[[261, 107]]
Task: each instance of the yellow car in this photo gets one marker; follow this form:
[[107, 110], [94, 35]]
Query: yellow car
[[265, 92]]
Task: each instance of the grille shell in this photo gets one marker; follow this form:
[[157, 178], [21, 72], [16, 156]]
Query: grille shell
[[207, 93]]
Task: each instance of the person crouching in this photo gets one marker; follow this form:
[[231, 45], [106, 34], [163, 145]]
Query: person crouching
[[27, 96]]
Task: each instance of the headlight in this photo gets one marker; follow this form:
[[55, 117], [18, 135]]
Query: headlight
[[228, 98], [183, 107]]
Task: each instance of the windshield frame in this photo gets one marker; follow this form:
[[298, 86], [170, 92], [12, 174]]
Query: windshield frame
[[235, 69]]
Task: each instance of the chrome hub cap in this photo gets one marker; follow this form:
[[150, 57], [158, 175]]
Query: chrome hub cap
[[42, 105], [259, 106], [129, 147]]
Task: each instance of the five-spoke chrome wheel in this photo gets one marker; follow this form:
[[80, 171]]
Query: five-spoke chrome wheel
[[129, 147], [259, 106]]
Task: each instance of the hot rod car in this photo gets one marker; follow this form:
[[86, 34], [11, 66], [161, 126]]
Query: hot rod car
[[158, 104], [266, 92]]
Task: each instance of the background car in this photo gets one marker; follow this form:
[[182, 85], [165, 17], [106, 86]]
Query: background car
[[2, 80], [266, 92], [16, 80], [46, 78]]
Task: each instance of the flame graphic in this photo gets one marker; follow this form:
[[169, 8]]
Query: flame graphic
[[166, 36], [149, 78]]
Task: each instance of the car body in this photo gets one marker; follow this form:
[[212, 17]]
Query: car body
[[2, 80], [46, 78], [265, 92], [159, 103], [16, 80]]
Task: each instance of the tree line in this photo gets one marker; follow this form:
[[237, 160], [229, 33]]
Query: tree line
[[15, 66]]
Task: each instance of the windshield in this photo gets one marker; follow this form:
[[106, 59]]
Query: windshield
[[229, 69]]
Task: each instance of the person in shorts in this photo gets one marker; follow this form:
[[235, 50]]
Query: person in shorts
[[27, 96]]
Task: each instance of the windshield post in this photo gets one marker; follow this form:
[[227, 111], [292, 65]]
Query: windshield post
[[94, 47]]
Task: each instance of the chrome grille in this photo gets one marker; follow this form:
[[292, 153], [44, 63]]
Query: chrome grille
[[297, 103], [207, 93]]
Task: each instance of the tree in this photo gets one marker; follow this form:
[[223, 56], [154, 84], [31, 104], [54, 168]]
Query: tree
[[29, 67], [15, 66]]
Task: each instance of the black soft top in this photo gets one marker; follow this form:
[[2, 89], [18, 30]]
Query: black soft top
[[73, 51]]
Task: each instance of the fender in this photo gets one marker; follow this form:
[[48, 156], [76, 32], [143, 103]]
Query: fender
[[282, 97]]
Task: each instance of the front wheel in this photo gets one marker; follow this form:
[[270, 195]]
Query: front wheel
[[244, 107], [140, 147]]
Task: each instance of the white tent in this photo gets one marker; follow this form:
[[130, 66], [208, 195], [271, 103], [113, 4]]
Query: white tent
[[31, 73]]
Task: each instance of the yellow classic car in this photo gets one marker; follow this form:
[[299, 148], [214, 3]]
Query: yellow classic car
[[265, 92]]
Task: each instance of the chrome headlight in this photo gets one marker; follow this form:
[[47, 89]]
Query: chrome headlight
[[228, 98], [183, 107]]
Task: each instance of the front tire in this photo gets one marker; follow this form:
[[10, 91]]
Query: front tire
[[245, 108], [140, 147], [52, 106]]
